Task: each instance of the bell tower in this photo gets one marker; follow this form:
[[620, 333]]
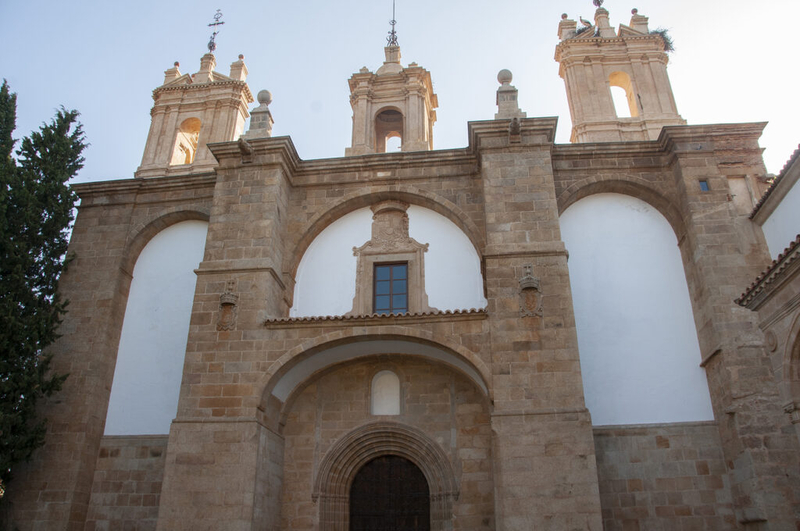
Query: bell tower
[[395, 101], [596, 59], [191, 111]]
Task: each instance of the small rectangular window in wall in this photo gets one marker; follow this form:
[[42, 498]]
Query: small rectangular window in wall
[[391, 288], [704, 186]]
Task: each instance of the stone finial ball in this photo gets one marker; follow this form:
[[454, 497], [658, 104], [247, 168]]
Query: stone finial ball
[[264, 97], [177, 64], [634, 11], [504, 76], [564, 16], [241, 56]]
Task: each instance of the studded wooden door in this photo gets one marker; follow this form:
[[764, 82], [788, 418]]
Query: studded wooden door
[[390, 494]]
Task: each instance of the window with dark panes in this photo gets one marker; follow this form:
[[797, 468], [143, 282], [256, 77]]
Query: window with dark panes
[[391, 288]]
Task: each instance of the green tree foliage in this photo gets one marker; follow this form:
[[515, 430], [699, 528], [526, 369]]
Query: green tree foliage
[[36, 207]]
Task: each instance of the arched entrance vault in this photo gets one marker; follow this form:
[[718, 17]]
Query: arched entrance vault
[[357, 448], [300, 364]]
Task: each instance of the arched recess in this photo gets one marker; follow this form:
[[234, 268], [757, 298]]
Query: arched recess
[[340, 465], [639, 351], [356, 200], [144, 233], [298, 365], [444, 271], [186, 139], [149, 362], [637, 189]]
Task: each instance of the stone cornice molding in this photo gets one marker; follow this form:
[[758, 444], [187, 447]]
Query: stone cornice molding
[[493, 134], [674, 138], [281, 151], [590, 43], [240, 85], [89, 191], [769, 282], [374, 319]]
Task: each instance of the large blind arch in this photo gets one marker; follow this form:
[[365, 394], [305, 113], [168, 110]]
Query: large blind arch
[[640, 356]]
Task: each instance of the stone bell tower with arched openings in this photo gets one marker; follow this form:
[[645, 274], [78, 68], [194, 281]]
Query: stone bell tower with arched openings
[[395, 101], [191, 111], [596, 58]]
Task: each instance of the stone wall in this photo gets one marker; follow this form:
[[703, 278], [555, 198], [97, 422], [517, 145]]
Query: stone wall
[[658, 477], [127, 483]]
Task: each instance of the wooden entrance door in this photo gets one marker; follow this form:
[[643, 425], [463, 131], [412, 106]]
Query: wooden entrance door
[[390, 493]]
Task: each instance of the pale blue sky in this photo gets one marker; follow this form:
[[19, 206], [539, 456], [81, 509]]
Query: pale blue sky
[[735, 61]]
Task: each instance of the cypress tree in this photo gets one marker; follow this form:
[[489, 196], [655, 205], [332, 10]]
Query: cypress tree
[[36, 210]]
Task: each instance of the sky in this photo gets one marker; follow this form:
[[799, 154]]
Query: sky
[[734, 61]]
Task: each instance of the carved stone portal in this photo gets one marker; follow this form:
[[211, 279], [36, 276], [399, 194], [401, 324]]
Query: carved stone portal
[[228, 308], [390, 243], [530, 294]]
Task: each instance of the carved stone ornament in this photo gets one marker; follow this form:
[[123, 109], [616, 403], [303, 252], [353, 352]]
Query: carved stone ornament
[[794, 413], [228, 308], [530, 294], [514, 131], [771, 340]]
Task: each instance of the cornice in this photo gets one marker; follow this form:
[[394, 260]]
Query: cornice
[[544, 127], [378, 320], [155, 184], [577, 41], [199, 86], [281, 151], [673, 134], [594, 150], [771, 279]]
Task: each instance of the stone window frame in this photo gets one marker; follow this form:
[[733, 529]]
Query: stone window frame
[[355, 449], [389, 248]]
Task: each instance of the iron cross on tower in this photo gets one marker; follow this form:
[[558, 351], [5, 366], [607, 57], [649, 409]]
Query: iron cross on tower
[[216, 24], [391, 40]]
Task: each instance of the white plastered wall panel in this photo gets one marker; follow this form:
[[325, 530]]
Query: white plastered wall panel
[[326, 276], [640, 357], [783, 225], [147, 377]]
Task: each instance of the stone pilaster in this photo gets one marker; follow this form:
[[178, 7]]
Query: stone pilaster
[[216, 443], [543, 446]]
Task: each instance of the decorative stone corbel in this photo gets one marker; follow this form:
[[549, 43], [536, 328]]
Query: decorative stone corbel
[[530, 294], [794, 413], [246, 150], [514, 131], [228, 308]]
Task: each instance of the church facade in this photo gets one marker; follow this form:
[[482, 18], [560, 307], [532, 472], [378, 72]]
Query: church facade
[[513, 335]]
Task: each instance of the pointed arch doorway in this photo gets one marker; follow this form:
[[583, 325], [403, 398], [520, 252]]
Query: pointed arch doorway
[[390, 493]]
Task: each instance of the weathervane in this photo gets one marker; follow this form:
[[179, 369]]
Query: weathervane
[[218, 15], [598, 3], [392, 38]]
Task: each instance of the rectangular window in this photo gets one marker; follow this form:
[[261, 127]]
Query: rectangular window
[[390, 288], [704, 186]]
